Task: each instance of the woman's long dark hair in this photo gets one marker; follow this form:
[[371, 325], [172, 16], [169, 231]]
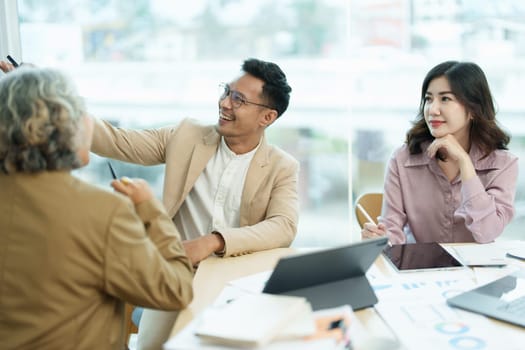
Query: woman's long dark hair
[[469, 84]]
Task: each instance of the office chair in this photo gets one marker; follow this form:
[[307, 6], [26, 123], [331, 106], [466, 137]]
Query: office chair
[[372, 203]]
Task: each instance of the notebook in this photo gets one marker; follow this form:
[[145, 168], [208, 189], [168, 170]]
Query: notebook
[[420, 257], [503, 299], [254, 320], [329, 277]]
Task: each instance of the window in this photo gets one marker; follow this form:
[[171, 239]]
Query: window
[[355, 68]]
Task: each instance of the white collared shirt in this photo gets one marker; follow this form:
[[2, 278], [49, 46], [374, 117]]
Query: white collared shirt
[[214, 202]]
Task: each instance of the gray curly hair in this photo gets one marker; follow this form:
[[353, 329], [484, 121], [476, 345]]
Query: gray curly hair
[[40, 114]]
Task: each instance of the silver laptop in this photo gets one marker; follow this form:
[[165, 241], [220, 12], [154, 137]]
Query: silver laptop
[[503, 299], [330, 277]]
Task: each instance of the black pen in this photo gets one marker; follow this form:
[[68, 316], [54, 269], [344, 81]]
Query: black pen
[[517, 255], [12, 60], [340, 323], [112, 171]]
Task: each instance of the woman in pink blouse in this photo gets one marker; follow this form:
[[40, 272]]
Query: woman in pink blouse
[[453, 180]]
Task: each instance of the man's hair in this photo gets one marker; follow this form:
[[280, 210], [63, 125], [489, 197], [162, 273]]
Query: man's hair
[[276, 91], [40, 113], [470, 86]]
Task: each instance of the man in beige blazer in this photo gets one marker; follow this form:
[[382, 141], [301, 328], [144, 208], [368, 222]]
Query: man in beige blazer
[[268, 204], [228, 191], [71, 253]]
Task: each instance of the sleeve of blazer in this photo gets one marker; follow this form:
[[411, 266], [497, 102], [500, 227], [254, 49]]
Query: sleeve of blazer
[[277, 226], [145, 263], [145, 147]]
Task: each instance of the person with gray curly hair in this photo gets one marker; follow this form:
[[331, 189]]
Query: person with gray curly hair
[[40, 113], [73, 253]]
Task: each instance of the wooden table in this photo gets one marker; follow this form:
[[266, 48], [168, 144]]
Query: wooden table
[[214, 273]]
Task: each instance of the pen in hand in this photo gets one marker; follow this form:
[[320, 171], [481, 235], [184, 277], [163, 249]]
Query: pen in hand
[[365, 213], [112, 171], [12, 61], [339, 323], [371, 221], [124, 179]]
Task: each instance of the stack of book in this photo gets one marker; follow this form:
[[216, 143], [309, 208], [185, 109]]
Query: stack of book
[[264, 321]]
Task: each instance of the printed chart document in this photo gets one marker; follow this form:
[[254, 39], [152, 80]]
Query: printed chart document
[[415, 308]]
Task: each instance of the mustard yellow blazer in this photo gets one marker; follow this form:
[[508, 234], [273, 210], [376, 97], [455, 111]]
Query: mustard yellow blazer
[[71, 253]]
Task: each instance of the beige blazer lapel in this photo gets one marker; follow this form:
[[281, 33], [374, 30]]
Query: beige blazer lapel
[[202, 153], [257, 172]]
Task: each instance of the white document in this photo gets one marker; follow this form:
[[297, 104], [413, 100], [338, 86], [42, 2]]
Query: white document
[[490, 254], [252, 283]]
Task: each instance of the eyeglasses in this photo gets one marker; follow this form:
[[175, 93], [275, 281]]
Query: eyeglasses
[[237, 99]]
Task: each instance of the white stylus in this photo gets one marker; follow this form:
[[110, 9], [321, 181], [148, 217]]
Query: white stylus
[[364, 212]]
